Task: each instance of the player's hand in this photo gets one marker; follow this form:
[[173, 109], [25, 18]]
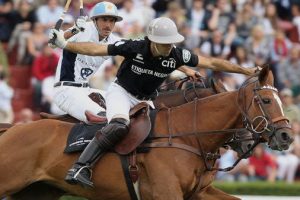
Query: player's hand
[[195, 76], [56, 38], [254, 70], [79, 25]]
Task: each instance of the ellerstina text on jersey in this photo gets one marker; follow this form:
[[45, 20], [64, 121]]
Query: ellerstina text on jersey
[[139, 71]]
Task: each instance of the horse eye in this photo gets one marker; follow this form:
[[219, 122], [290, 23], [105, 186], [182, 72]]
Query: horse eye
[[266, 101]]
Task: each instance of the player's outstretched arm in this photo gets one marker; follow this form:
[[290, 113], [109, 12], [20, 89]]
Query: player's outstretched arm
[[217, 64], [85, 48]]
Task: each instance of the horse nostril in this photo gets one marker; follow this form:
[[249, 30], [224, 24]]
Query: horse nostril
[[285, 136]]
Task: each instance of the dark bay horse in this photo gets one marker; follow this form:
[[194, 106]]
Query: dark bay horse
[[165, 173]]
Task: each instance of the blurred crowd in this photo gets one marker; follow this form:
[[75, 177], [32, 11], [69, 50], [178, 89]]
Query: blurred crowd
[[247, 32]]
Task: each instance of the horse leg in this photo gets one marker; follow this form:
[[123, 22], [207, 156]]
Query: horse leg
[[212, 193], [20, 167], [38, 191], [158, 180]]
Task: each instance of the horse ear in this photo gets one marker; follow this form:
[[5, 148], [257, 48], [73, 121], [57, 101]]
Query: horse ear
[[263, 75]]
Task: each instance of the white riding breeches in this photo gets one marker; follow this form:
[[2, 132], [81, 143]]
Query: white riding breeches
[[75, 101], [119, 102]]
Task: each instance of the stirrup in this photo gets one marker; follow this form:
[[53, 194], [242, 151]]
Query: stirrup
[[82, 180], [74, 177]]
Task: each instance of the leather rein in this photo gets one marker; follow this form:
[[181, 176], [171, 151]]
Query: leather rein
[[270, 127]]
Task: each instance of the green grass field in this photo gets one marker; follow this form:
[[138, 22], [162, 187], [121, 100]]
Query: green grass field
[[260, 188], [247, 188]]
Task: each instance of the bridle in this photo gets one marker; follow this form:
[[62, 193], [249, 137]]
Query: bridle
[[264, 120], [262, 124]]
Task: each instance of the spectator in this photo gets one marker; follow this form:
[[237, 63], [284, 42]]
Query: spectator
[[259, 7], [289, 70], [3, 59], [6, 27], [221, 17], [270, 21], [273, 21], [284, 8], [49, 14], [280, 46], [245, 21], [258, 46], [22, 19], [197, 21], [296, 136], [290, 110], [44, 66], [287, 163], [262, 165], [6, 94], [216, 46], [177, 14], [296, 17], [131, 17], [147, 10], [160, 6], [241, 58], [228, 158], [35, 43]]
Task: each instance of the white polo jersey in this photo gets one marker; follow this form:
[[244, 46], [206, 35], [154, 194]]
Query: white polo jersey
[[77, 67]]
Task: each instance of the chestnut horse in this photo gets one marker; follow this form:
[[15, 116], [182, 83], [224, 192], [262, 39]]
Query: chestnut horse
[[166, 172]]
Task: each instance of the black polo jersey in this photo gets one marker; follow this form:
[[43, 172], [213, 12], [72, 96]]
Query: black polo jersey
[[140, 73]]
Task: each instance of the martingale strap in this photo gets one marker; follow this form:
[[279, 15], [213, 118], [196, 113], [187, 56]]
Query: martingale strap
[[209, 156], [129, 183]]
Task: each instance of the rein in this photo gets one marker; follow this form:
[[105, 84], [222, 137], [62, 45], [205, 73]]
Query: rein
[[270, 127]]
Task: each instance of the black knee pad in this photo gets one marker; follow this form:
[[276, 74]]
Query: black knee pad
[[114, 132], [119, 126]]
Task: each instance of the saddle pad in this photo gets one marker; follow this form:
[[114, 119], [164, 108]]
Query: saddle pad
[[80, 136]]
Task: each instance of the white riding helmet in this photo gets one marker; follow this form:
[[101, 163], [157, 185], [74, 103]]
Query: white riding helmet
[[163, 30], [105, 8]]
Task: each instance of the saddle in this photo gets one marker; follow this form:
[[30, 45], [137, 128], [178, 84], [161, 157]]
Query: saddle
[[139, 129]]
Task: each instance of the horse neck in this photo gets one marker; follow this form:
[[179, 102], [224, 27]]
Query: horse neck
[[218, 112], [179, 97]]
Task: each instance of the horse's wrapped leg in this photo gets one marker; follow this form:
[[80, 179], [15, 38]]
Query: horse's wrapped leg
[[103, 141]]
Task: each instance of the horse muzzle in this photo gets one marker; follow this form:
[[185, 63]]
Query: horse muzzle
[[280, 139]]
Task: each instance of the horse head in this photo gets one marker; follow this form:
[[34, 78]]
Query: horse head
[[262, 111]]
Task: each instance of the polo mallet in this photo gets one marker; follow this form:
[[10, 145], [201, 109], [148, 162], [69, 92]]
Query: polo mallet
[[81, 12], [60, 21]]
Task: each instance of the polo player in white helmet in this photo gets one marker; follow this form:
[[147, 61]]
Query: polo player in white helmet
[[74, 70], [147, 63]]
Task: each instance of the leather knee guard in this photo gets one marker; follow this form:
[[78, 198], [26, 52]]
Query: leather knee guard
[[113, 132]]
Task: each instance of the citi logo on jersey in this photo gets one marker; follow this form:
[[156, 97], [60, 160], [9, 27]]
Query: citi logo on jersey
[[171, 63]]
